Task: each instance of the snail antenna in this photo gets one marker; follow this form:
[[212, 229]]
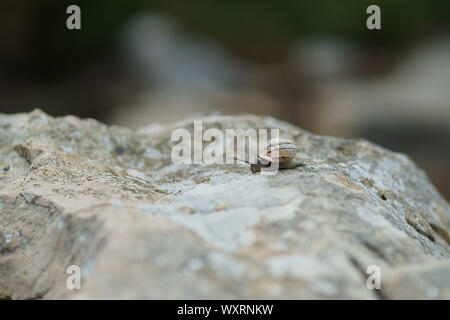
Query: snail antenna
[[245, 161]]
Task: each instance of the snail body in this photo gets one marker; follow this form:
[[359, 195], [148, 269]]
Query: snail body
[[279, 151]]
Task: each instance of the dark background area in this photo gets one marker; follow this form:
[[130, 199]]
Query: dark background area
[[312, 63]]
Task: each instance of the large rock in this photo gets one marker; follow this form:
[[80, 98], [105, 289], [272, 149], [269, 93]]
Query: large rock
[[110, 200]]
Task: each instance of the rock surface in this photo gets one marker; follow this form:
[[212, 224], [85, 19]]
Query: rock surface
[[108, 199]]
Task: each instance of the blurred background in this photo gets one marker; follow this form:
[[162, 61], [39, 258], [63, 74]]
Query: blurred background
[[312, 63]]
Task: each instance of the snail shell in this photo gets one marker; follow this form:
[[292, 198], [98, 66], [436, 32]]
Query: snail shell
[[278, 150]]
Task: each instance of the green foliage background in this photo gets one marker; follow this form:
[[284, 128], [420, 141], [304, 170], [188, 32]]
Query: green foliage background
[[260, 30]]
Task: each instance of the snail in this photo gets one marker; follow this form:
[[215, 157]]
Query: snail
[[278, 151]]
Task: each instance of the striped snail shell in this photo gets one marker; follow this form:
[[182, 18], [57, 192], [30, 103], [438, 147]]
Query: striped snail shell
[[278, 150]]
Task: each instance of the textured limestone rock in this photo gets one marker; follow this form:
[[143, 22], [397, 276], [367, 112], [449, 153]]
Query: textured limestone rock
[[77, 192]]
